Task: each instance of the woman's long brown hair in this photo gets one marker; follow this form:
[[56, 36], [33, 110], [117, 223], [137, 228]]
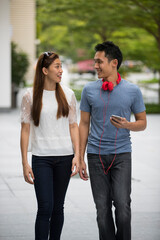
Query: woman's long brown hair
[[45, 60]]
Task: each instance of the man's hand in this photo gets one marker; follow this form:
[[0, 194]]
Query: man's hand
[[82, 172], [139, 124], [119, 123], [28, 174]]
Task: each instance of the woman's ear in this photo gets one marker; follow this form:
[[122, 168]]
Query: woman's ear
[[45, 71]]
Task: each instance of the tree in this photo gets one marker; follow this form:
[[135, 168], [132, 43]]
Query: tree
[[132, 24], [20, 64], [85, 24], [145, 14]]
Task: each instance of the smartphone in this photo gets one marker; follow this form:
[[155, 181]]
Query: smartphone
[[116, 116]]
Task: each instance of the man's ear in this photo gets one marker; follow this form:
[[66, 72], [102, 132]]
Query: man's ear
[[45, 71], [114, 63]]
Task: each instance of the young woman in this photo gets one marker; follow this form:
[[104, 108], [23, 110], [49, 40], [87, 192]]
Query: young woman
[[48, 116]]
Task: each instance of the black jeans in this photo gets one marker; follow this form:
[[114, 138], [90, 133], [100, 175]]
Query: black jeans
[[52, 175], [115, 187]]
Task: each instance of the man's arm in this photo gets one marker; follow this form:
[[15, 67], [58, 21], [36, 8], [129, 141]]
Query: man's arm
[[139, 124], [83, 133]]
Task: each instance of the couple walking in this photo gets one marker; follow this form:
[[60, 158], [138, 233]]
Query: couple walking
[[49, 120]]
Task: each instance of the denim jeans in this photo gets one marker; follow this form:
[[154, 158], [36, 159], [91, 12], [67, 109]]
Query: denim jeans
[[113, 188], [52, 175]]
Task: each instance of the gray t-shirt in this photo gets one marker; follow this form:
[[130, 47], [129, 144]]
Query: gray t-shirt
[[126, 98]]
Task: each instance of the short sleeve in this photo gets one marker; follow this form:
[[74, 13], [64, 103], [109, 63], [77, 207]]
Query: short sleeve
[[26, 108], [73, 110], [138, 104], [84, 105]]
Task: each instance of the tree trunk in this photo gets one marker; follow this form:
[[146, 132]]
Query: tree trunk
[[14, 96]]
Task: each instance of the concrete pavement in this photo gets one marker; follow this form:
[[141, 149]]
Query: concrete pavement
[[18, 203]]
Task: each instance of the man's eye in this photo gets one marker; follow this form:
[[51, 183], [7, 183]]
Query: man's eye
[[99, 62], [58, 66]]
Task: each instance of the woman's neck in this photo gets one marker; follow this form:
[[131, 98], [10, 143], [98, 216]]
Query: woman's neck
[[50, 86]]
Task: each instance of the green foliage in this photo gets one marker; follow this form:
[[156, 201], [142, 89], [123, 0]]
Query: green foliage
[[145, 16], [152, 108], [78, 93], [85, 23], [68, 26], [20, 64], [154, 80], [71, 27]]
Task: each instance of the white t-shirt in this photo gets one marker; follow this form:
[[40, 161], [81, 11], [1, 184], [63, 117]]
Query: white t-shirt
[[52, 136]]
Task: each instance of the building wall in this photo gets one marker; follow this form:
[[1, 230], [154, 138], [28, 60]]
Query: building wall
[[5, 55], [23, 30]]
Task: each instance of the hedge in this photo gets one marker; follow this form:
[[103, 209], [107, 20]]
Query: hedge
[[150, 107]]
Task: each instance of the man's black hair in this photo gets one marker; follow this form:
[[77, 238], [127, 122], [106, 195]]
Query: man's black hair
[[111, 51]]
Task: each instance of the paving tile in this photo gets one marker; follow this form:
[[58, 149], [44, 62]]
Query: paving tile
[[18, 203]]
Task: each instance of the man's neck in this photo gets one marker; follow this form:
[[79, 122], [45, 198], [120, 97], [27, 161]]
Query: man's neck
[[112, 78]]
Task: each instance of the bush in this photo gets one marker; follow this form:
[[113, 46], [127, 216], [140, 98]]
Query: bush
[[153, 80], [152, 108], [20, 64], [78, 94]]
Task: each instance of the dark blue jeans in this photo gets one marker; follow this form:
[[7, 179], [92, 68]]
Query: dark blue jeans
[[52, 175], [115, 187]]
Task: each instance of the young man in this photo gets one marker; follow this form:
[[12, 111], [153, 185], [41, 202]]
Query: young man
[[109, 145]]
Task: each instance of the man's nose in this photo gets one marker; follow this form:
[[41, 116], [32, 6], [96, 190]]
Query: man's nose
[[96, 65]]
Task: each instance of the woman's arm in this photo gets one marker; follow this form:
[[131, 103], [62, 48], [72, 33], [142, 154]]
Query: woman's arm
[[27, 170], [25, 132], [75, 140]]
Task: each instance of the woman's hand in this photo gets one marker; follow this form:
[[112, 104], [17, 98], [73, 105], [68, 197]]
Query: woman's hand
[[75, 166], [28, 174]]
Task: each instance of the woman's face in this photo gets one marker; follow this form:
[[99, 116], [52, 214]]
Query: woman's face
[[54, 71]]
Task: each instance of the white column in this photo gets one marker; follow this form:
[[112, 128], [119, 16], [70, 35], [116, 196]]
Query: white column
[[5, 55]]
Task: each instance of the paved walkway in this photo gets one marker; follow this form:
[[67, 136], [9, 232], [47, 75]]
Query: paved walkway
[[17, 199]]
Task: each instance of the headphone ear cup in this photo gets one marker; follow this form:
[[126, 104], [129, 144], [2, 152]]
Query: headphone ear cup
[[105, 86], [110, 86]]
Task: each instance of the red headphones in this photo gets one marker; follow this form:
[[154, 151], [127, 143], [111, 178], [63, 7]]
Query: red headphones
[[109, 85]]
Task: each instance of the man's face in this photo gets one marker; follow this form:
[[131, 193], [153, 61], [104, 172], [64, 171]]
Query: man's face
[[102, 66]]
